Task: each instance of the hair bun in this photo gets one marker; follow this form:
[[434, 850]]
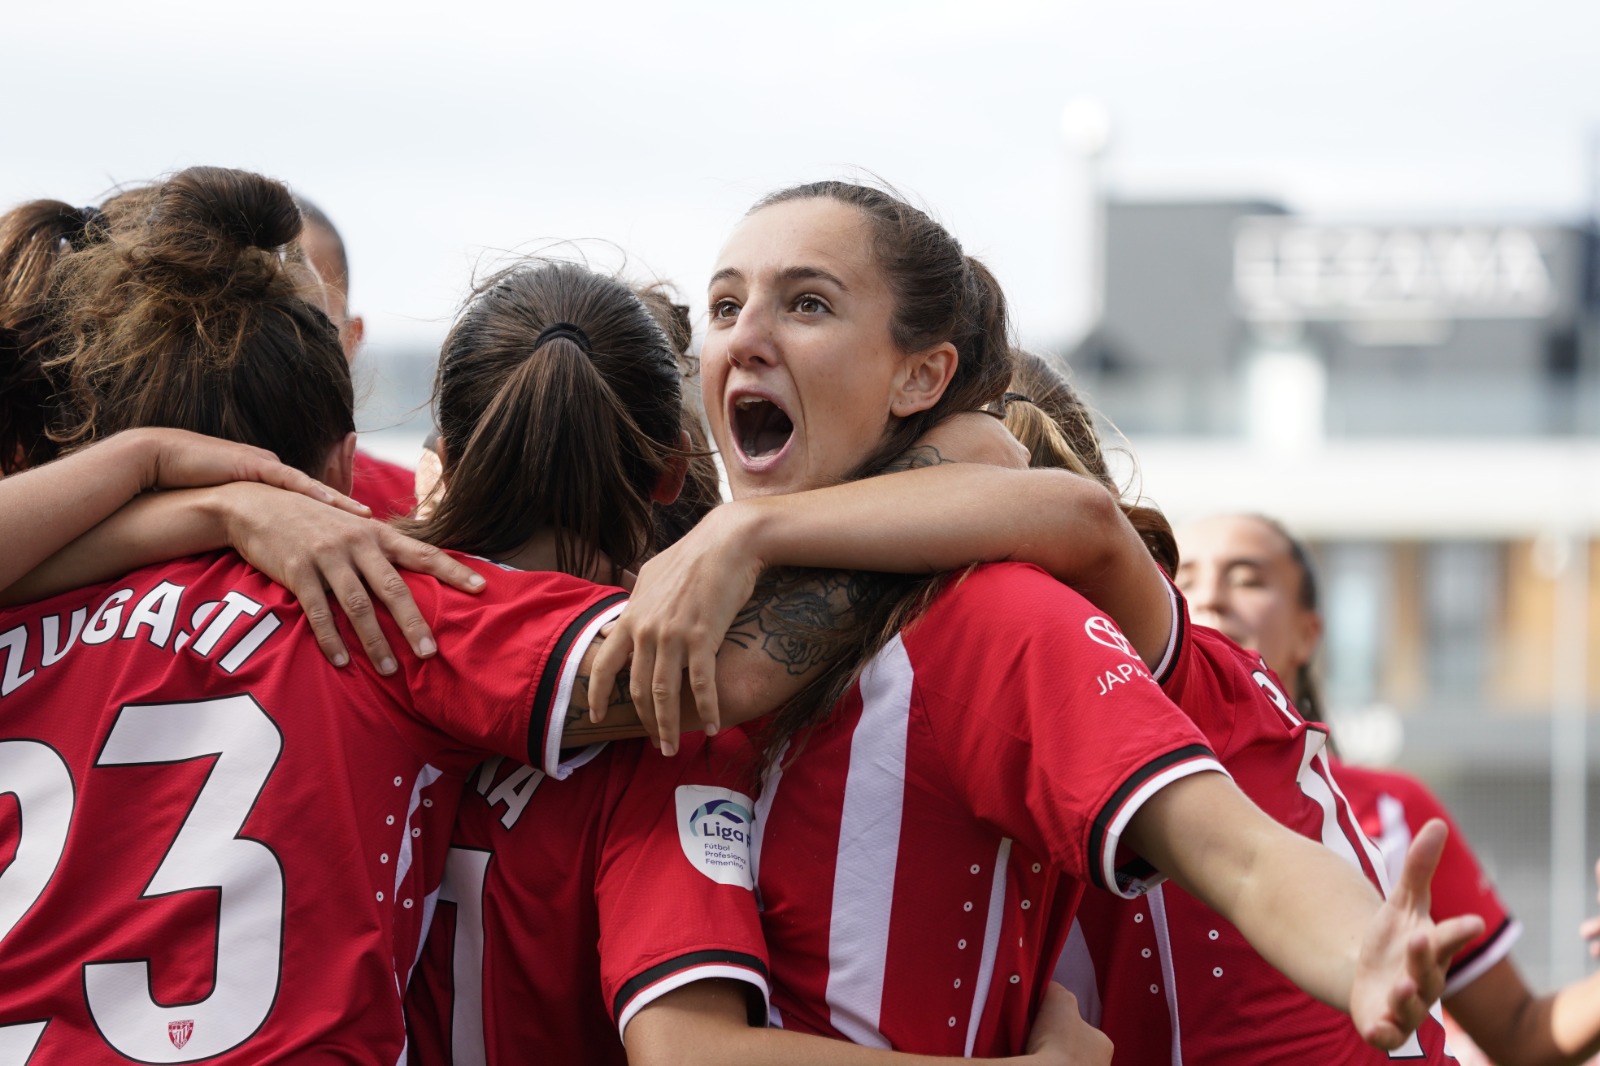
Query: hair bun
[[250, 210]]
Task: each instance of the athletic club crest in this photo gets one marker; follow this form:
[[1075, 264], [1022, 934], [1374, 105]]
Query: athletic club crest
[[180, 1032]]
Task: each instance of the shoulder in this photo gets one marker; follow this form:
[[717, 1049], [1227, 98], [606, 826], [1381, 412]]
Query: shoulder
[[1416, 798]]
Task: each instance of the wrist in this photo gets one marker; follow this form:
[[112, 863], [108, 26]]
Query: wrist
[[136, 452], [745, 529]]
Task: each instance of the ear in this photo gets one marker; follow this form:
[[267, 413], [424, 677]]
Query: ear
[[351, 334], [1307, 634], [670, 484], [339, 473], [922, 379]]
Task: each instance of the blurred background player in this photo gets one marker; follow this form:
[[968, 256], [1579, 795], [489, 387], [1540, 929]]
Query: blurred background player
[[388, 488], [1250, 578]]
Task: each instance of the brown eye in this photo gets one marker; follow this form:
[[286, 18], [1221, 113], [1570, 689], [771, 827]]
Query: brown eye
[[810, 305], [724, 309]]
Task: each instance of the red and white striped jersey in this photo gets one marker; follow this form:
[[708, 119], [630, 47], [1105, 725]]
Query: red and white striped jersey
[[568, 905], [1392, 807], [920, 859], [215, 846], [1166, 978]]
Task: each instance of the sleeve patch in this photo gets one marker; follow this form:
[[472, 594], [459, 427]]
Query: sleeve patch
[[715, 827]]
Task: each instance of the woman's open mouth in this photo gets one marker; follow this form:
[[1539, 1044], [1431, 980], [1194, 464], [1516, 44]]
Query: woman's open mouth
[[761, 430]]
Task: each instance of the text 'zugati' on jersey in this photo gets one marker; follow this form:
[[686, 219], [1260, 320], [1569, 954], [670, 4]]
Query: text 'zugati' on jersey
[[223, 849]]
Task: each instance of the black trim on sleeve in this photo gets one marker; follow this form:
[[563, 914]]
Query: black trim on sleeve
[[1180, 620], [655, 973], [1467, 958], [1102, 821], [550, 679]]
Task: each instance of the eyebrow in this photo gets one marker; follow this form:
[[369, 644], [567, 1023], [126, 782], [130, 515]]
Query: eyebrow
[[794, 273]]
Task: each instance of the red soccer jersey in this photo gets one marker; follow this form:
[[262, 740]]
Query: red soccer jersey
[[568, 905], [388, 488], [218, 847], [1392, 808], [920, 860], [1165, 977]]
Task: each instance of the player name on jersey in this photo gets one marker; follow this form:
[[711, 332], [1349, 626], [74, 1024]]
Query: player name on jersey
[[227, 631]]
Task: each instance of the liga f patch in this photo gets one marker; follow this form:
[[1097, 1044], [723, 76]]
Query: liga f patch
[[715, 826]]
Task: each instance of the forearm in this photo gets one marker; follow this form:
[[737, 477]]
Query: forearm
[[791, 629], [1516, 1028], [1301, 907], [704, 1024], [150, 529], [43, 509], [947, 516]]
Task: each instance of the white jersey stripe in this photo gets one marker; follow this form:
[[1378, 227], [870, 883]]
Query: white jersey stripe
[[1075, 970], [1497, 948], [771, 778], [1313, 785], [869, 848], [991, 942], [1375, 854], [1169, 976]]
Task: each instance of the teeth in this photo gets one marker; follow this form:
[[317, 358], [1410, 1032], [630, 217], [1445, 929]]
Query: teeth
[[745, 403]]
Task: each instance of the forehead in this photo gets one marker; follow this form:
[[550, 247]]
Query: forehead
[[1232, 538], [819, 232]]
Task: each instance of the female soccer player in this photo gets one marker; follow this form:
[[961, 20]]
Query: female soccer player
[[1248, 577], [565, 397], [224, 849], [971, 778]]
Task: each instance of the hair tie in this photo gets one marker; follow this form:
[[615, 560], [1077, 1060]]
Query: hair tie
[[563, 329], [998, 407], [89, 220]]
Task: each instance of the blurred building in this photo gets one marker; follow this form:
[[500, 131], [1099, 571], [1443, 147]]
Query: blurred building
[[1421, 401]]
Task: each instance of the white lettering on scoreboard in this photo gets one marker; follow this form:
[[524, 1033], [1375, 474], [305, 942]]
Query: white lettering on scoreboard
[[1297, 270]]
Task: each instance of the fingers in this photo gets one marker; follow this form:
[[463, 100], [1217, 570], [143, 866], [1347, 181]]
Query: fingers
[[1453, 934], [666, 684], [354, 600], [641, 675], [412, 554], [271, 472], [308, 591], [392, 590], [611, 655], [703, 682], [1414, 890]]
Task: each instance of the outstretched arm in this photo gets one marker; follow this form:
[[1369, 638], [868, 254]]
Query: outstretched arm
[[704, 1024], [1516, 1028], [1305, 910], [291, 536], [45, 508]]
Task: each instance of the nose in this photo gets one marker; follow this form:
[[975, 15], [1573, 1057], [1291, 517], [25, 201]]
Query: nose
[[750, 338]]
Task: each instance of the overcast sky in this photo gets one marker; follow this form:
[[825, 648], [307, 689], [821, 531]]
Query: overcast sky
[[434, 132]]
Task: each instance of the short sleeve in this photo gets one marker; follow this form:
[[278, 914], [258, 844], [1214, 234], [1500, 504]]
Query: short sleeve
[[1460, 887], [508, 658], [1053, 730], [675, 888]]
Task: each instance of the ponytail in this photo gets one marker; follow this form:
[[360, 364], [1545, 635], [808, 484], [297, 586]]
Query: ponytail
[[559, 402], [199, 317], [33, 237]]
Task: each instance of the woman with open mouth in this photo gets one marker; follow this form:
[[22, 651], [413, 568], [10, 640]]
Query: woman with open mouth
[[935, 804]]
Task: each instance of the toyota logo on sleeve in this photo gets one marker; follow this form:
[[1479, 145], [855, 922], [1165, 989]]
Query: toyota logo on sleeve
[[1104, 631]]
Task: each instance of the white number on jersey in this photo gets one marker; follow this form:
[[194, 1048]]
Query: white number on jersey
[[465, 871], [207, 852]]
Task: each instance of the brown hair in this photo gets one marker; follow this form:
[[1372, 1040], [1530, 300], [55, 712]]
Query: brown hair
[[1308, 693], [566, 429], [1044, 412], [940, 294], [197, 318], [702, 484], [33, 237]]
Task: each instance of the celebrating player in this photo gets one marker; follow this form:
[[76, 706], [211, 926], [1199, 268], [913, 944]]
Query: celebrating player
[[223, 849], [988, 760], [1248, 577]]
